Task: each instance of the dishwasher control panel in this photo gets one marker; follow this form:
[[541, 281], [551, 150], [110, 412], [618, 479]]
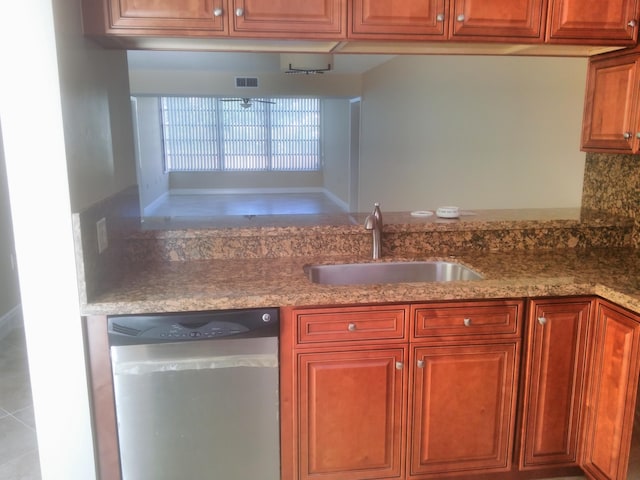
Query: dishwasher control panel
[[181, 327]]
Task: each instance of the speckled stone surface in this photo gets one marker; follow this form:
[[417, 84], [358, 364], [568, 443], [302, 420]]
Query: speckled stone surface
[[256, 282], [403, 235], [195, 264], [612, 185]]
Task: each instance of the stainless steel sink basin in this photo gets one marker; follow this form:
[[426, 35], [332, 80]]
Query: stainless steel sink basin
[[389, 272]]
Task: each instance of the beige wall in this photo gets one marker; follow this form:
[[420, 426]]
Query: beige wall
[[477, 132], [96, 113], [203, 82], [9, 294], [153, 182], [335, 135], [474, 131]]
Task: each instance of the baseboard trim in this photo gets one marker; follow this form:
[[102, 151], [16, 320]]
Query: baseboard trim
[[149, 208], [223, 191], [10, 320]]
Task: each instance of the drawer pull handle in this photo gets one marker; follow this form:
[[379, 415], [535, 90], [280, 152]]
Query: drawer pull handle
[[420, 363], [352, 327], [542, 320], [467, 322], [399, 365]]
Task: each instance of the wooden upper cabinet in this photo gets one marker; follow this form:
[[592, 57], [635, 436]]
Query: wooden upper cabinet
[[287, 18], [166, 17], [554, 382], [610, 120], [601, 22], [507, 20], [577, 22], [398, 20], [612, 391], [479, 20]]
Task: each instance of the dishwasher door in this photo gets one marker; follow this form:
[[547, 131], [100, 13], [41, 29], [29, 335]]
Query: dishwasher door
[[198, 410]]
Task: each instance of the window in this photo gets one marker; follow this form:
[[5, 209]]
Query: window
[[251, 135]]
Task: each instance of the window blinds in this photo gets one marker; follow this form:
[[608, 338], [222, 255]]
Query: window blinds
[[209, 134]]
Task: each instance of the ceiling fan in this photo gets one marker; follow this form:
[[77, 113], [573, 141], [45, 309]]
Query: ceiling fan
[[246, 102]]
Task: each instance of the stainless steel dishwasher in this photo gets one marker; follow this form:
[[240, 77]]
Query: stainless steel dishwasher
[[196, 395]]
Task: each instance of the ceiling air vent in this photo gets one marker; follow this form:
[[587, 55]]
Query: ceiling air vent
[[246, 82]]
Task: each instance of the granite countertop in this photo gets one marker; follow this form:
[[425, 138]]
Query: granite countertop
[[612, 273]]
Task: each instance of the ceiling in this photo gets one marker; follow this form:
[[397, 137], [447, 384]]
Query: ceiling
[[241, 62]]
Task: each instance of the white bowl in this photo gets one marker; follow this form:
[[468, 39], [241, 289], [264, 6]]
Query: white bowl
[[448, 212]]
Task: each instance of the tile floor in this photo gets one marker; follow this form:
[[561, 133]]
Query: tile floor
[[18, 443]]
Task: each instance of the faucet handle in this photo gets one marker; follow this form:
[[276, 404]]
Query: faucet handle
[[370, 222]]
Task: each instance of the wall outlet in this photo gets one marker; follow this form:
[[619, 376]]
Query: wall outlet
[[103, 241]]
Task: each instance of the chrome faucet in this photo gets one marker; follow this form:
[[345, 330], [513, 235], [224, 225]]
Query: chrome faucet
[[374, 223]]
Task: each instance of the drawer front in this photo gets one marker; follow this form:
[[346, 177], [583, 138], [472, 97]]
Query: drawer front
[[467, 319], [351, 324]]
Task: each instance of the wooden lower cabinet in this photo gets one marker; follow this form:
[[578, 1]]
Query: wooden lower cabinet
[[352, 413], [437, 396], [557, 336], [463, 404], [611, 400]]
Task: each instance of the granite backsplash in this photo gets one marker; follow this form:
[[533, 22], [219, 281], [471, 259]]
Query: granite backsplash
[[612, 185]]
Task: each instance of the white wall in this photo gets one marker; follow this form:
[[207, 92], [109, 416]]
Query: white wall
[[205, 82], [477, 132], [153, 182], [66, 125], [335, 144], [9, 293]]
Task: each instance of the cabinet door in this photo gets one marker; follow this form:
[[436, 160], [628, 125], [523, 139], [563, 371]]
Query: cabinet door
[[612, 393], [557, 335], [505, 20], [398, 20], [166, 17], [610, 22], [351, 414], [281, 18], [462, 409], [609, 121]]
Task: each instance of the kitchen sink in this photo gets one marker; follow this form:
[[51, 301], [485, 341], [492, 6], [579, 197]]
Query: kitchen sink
[[390, 272]]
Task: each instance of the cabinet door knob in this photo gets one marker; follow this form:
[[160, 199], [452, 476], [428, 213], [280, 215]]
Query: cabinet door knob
[[440, 17], [542, 320], [239, 12], [351, 327], [467, 322], [399, 365], [626, 135], [632, 23], [217, 12], [420, 363], [460, 17]]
